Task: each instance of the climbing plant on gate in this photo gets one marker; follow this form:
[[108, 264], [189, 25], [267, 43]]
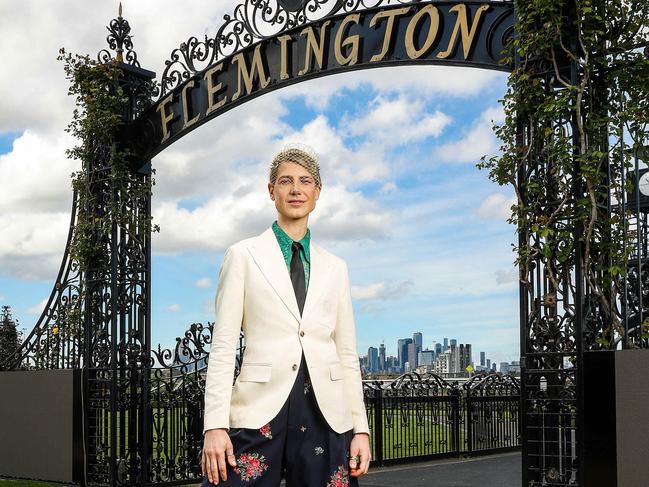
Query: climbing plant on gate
[[105, 186], [578, 98]]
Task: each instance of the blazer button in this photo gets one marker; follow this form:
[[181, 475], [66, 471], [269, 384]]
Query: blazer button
[[294, 366], [301, 333]]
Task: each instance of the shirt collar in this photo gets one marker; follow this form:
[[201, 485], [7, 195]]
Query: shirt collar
[[286, 242]]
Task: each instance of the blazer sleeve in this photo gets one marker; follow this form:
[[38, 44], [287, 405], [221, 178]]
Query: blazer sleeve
[[345, 337], [225, 338]]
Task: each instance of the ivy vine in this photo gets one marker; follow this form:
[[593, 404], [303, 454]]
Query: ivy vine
[[577, 106], [102, 105]]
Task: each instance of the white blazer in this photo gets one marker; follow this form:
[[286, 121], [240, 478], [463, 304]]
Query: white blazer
[[255, 292]]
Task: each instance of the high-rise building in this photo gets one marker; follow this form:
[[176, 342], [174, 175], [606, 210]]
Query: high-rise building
[[372, 359], [438, 349], [515, 367], [488, 363], [453, 358], [382, 357], [426, 357], [443, 363], [412, 355], [445, 345], [493, 366], [418, 340], [504, 368], [453, 342], [464, 356], [483, 357], [402, 351]]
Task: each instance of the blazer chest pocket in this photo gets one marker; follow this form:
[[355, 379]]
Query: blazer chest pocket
[[335, 371], [255, 372]]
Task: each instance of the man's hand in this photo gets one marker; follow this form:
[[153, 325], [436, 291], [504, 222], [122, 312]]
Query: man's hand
[[360, 445], [217, 448]]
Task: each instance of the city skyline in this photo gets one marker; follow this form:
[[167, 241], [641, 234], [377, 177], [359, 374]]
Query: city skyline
[[446, 356]]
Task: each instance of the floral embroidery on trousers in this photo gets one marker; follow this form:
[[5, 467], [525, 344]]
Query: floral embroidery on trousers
[[265, 430], [340, 477], [297, 444], [251, 465]]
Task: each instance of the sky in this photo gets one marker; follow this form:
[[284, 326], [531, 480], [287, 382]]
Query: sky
[[423, 230]]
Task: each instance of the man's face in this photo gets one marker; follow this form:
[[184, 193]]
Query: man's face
[[294, 191]]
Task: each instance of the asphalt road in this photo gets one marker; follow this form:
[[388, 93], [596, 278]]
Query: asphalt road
[[502, 470]]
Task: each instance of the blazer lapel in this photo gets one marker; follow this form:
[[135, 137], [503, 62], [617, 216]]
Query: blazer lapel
[[269, 258]]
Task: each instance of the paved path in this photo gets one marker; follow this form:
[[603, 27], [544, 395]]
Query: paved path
[[502, 470]]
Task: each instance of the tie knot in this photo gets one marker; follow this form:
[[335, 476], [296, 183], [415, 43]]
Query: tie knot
[[297, 246]]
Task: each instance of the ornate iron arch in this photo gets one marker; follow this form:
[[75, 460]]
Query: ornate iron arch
[[263, 47]]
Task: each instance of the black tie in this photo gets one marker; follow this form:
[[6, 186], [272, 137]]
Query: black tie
[[297, 276]]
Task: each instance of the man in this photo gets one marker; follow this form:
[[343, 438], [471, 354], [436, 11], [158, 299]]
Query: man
[[296, 409]]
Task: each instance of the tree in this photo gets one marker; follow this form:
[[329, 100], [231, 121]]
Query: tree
[[10, 336]]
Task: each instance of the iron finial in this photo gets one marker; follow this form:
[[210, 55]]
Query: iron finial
[[119, 40]]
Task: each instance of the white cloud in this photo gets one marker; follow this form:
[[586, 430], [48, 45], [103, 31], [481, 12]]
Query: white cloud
[[36, 79], [430, 81], [37, 309], [382, 290], [33, 244], [506, 276], [204, 282], [174, 308], [40, 174], [404, 118], [479, 141], [389, 187], [35, 204], [497, 206]]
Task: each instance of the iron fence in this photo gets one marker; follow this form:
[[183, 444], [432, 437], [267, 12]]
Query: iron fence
[[418, 417]]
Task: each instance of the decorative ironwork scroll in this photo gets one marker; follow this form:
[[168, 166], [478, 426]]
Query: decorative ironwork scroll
[[263, 47], [119, 40]]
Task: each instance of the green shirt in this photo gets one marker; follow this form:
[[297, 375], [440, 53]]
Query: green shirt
[[286, 244]]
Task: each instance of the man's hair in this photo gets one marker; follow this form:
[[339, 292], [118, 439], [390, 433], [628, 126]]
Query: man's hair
[[300, 154]]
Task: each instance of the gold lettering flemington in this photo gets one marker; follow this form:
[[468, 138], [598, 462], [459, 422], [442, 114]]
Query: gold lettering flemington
[[317, 47], [257, 66], [165, 117], [284, 56], [213, 89], [390, 15], [433, 30], [183, 96], [352, 57], [462, 23]]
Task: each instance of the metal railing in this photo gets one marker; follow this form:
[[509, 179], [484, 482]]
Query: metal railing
[[418, 417]]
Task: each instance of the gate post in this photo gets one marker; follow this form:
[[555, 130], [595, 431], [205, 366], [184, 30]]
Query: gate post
[[455, 419], [469, 419], [378, 423], [117, 323]]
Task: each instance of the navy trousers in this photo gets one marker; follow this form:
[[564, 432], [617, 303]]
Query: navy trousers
[[297, 444]]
